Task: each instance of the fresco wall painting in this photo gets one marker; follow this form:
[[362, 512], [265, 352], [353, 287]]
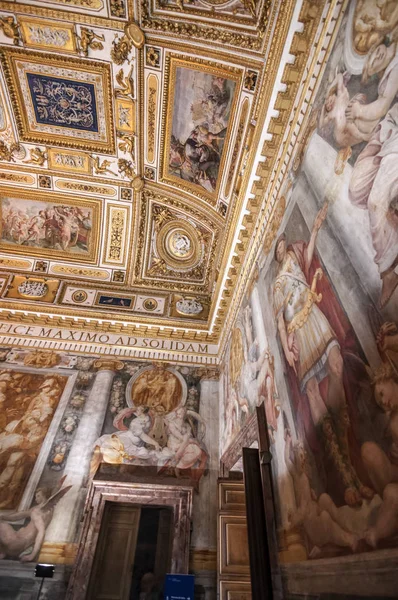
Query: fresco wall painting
[[316, 338], [115, 412]]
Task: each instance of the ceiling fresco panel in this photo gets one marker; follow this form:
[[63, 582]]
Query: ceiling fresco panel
[[199, 111], [60, 100], [51, 226]]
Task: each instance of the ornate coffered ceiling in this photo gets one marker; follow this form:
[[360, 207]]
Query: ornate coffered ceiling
[[132, 175]]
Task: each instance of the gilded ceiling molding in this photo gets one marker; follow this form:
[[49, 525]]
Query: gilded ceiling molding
[[15, 263], [186, 9], [41, 34], [200, 30], [116, 183], [83, 272], [77, 186], [64, 15], [276, 165], [117, 226], [151, 114], [279, 28], [68, 320], [243, 117], [235, 58], [17, 178]]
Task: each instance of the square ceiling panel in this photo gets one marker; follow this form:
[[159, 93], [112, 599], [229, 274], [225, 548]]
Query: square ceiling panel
[[60, 100]]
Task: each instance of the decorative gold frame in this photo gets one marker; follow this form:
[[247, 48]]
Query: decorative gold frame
[[49, 196], [52, 288], [128, 105], [86, 168], [9, 56], [114, 236], [70, 47], [172, 63]]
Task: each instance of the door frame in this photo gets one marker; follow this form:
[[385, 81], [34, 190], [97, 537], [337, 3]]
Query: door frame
[[178, 497]]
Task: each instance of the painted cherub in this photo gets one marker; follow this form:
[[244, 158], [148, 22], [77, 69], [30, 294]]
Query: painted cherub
[[14, 543], [312, 512]]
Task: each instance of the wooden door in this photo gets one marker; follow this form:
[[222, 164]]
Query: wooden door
[[233, 549], [114, 558], [265, 457]]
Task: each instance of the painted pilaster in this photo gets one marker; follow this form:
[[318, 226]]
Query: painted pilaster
[[64, 522]]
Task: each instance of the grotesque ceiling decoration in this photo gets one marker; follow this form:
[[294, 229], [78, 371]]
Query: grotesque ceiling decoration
[[132, 169]]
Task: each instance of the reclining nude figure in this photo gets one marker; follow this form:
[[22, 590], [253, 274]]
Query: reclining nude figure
[[15, 543], [312, 513]]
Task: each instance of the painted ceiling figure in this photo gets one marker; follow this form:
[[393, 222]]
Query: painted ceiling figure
[[313, 352]]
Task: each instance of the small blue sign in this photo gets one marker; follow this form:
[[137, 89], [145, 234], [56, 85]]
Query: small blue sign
[[179, 587]]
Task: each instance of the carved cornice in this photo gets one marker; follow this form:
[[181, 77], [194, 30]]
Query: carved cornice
[[268, 171], [200, 30]]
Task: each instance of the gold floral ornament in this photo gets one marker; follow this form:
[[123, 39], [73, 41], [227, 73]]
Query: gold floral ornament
[[126, 168], [149, 174], [133, 36], [251, 80], [119, 276], [88, 39], [152, 57], [118, 8], [9, 153], [79, 296], [37, 157], [10, 29]]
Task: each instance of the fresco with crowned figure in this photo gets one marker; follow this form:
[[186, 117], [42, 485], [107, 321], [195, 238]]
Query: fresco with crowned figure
[[316, 337]]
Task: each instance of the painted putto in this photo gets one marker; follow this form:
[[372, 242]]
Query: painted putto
[[46, 225]]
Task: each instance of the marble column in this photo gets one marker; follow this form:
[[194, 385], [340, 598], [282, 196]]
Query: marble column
[[64, 522]]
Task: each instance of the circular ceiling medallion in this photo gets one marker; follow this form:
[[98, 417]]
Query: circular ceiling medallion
[[178, 245], [150, 304], [79, 296]]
